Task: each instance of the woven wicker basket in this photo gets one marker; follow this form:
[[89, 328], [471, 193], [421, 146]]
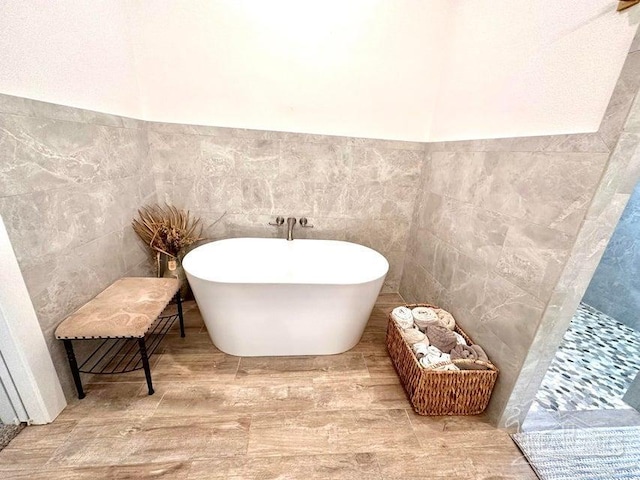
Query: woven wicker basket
[[436, 392]]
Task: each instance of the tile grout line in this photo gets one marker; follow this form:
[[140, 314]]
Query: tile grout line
[[375, 455], [235, 376], [62, 443], [413, 429]]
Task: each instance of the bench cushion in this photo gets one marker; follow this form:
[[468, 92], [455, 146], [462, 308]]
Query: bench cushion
[[126, 309]]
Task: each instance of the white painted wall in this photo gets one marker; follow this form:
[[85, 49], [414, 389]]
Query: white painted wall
[[71, 52], [407, 69], [24, 350], [530, 67], [358, 68]]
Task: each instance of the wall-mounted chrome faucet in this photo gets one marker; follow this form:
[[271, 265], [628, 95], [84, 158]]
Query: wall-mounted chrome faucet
[[291, 221]]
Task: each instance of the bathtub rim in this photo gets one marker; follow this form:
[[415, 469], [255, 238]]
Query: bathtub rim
[[374, 279]]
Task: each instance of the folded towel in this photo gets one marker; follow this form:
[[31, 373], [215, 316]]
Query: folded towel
[[424, 316], [472, 352], [469, 365], [463, 352], [420, 349], [433, 356], [466, 356], [403, 317], [446, 319], [436, 360], [413, 335], [446, 366], [460, 339], [441, 338], [480, 352]]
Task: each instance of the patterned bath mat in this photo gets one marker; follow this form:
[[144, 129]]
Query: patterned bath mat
[[593, 368], [583, 454], [8, 433]]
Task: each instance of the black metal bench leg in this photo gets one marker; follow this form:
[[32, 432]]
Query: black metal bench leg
[[145, 364], [179, 303], [74, 367]]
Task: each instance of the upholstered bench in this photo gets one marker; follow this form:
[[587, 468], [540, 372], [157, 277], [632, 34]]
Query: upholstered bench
[[127, 318]]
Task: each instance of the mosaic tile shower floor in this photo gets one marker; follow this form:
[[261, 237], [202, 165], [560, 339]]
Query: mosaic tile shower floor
[[593, 368]]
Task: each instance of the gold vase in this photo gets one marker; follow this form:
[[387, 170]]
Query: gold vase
[[172, 267]]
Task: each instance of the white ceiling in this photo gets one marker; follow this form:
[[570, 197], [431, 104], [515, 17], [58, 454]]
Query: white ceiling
[[408, 69]]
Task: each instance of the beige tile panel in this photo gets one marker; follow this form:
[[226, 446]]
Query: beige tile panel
[[113, 400], [447, 462], [118, 441], [380, 366], [195, 367], [41, 154], [426, 426], [635, 45], [533, 256], [280, 395], [177, 156], [257, 159], [320, 368], [192, 344], [372, 342], [402, 167], [629, 143], [312, 467], [317, 162], [68, 218], [472, 230], [168, 471], [546, 189], [34, 445], [549, 189], [313, 433]]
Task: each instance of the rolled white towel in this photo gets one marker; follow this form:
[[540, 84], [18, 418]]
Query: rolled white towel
[[460, 339], [420, 349], [403, 317], [413, 335], [434, 356], [423, 316]]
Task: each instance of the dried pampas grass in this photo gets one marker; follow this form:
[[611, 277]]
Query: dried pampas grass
[[167, 229]]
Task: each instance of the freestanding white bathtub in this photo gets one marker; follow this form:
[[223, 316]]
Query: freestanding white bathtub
[[271, 297]]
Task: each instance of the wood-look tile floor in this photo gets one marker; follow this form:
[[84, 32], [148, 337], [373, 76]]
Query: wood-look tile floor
[[218, 416]]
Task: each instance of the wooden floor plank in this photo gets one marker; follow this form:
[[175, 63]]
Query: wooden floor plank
[[218, 416], [315, 433]]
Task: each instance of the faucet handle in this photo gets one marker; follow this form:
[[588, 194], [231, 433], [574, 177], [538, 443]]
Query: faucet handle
[[305, 223], [279, 222]]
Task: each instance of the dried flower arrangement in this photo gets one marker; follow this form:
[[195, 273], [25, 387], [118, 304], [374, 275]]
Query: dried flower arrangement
[[167, 230]]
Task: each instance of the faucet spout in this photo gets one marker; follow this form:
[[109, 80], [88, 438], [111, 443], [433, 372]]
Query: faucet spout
[[291, 221]]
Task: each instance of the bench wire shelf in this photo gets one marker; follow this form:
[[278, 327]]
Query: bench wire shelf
[[121, 355]]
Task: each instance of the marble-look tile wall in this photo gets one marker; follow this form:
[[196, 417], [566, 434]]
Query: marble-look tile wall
[[618, 181], [351, 189], [615, 287], [507, 233], [494, 225], [70, 182]]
